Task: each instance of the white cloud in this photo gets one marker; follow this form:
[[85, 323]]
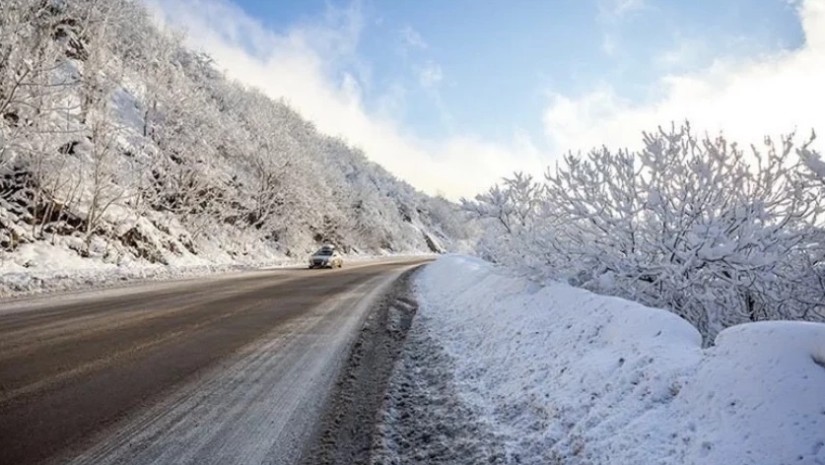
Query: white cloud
[[610, 10], [295, 65], [609, 45], [746, 100], [430, 75], [412, 38], [624, 6], [686, 54]]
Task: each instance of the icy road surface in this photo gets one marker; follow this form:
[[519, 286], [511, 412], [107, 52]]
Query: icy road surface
[[232, 369]]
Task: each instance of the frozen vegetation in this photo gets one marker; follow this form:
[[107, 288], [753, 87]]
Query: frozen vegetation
[[559, 375], [125, 155], [120, 149], [718, 234]]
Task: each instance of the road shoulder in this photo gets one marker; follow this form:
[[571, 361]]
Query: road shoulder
[[396, 401], [345, 432]]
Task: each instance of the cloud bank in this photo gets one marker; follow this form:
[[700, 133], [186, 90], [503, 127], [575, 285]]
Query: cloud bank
[[744, 100]]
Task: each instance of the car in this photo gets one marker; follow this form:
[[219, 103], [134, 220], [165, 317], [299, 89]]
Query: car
[[326, 257]]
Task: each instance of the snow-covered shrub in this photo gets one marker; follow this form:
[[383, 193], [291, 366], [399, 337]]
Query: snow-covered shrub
[[718, 234]]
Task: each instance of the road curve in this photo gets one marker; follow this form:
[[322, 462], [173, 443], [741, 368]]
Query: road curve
[[228, 369]]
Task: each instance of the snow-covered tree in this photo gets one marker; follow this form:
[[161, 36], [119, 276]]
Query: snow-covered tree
[[716, 233], [113, 134], [508, 212]]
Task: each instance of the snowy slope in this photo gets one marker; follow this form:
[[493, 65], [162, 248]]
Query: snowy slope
[[121, 149], [566, 376]]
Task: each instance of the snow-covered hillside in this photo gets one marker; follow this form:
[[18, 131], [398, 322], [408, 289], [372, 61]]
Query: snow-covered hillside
[[562, 375], [119, 147]]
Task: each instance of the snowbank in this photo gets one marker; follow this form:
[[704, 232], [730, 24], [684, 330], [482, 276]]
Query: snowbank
[[43, 267], [567, 376], [39, 268]]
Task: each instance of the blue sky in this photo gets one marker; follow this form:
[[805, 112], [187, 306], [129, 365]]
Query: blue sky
[[514, 83], [530, 48]]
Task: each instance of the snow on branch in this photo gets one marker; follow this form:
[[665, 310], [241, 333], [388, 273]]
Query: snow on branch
[[717, 233]]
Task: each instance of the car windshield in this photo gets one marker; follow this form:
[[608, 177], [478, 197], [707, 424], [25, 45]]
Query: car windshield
[[325, 252]]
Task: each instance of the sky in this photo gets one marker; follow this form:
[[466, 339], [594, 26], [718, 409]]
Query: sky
[[451, 96]]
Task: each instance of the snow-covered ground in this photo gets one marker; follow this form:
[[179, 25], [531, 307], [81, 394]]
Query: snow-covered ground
[[170, 169], [562, 375], [42, 267]]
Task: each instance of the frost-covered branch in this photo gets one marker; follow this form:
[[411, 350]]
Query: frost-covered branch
[[716, 233]]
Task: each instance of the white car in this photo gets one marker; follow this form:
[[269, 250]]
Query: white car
[[326, 257]]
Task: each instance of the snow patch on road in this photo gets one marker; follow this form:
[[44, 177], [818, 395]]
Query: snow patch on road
[[567, 376]]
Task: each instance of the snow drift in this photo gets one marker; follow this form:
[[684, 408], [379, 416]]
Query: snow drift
[[567, 376]]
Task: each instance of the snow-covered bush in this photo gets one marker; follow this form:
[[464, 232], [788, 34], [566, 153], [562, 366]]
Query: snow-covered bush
[[718, 234], [511, 212]]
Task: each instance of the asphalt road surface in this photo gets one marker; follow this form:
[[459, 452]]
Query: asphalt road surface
[[219, 370]]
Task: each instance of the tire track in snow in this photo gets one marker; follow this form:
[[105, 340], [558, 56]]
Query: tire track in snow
[[257, 407]]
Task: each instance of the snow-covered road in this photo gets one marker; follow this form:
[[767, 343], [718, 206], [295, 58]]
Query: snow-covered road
[[222, 370]]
